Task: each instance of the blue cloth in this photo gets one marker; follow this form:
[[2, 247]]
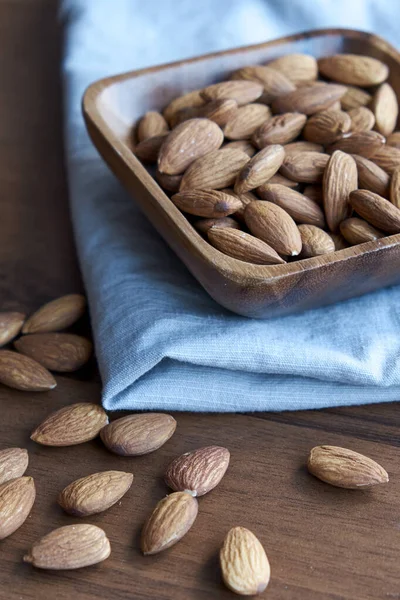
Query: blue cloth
[[161, 341]]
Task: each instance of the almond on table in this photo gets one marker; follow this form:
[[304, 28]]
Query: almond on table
[[13, 463], [56, 315], [10, 326], [71, 425]]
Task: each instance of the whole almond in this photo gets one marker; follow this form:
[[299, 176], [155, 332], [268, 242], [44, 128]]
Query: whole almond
[[260, 168], [135, 435], [376, 210], [274, 226], [394, 139], [204, 225], [70, 547], [303, 146], [298, 206], [169, 522], [23, 373], [364, 143], [10, 326], [243, 145], [298, 68], [151, 124], [362, 119], [206, 203], [340, 178], [355, 97], [274, 83], [246, 120], [95, 493], [71, 425], [325, 126], [371, 177], [241, 91], [169, 182], [13, 463], [189, 100], [357, 231], [57, 314], [63, 352], [16, 500], [243, 246], [387, 158], [198, 472], [309, 99], [314, 192], [304, 167], [216, 170], [386, 109], [244, 564], [315, 241], [184, 114], [353, 69], [345, 468], [281, 129], [148, 150], [186, 143], [395, 188], [220, 111]]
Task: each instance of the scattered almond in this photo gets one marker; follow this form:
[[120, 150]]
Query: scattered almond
[[260, 168], [385, 108], [151, 124], [13, 463], [274, 226], [246, 120], [216, 170], [243, 246], [71, 425], [10, 326], [16, 500], [340, 178], [135, 435], [353, 69], [63, 352], [315, 241], [57, 314], [357, 231], [198, 472], [23, 373], [281, 129]]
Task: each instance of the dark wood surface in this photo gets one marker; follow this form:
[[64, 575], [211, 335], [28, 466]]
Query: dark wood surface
[[323, 543]]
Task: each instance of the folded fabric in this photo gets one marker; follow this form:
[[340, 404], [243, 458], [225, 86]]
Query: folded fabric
[[161, 341]]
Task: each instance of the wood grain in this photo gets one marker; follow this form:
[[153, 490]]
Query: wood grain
[[323, 543]]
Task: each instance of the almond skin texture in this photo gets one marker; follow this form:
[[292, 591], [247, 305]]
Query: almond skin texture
[[362, 119], [70, 547], [260, 168], [190, 100], [364, 143], [355, 97], [241, 91], [246, 120], [394, 139], [357, 231], [169, 182], [63, 352], [199, 471], [304, 167], [376, 210], [243, 145], [298, 206], [16, 500], [353, 69], [281, 129], [303, 147], [243, 246], [395, 188], [23, 373], [386, 109], [371, 177], [298, 68], [326, 126], [274, 84], [340, 178], [244, 564], [71, 425], [309, 99], [387, 158], [10, 326], [344, 468], [93, 494], [206, 203], [277, 178], [13, 463], [187, 142], [204, 225], [148, 150], [151, 124], [169, 522], [135, 435], [274, 226], [216, 170], [315, 241], [57, 314]]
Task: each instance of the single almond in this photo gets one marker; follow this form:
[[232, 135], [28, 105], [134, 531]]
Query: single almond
[[345, 468], [241, 91], [309, 99], [281, 129], [371, 177], [274, 83], [274, 226], [303, 146], [63, 352], [357, 231], [394, 139], [148, 150], [198, 472], [243, 145], [10, 326], [16, 500], [246, 120], [315, 241], [57, 314], [184, 114], [206, 203], [339, 241], [387, 158], [71, 425], [135, 435], [386, 109], [70, 547], [362, 119], [314, 192], [244, 564], [216, 170], [220, 111], [340, 178], [376, 210], [204, 225], [243, 246], [304, 167], [23, 373], [299, 207], [94, 493], [169, 522], [354, 98], [189, 100], [325, 126], [395, 188], [364, 143], [13, 463], [169, 182], [151, 124], [353, 69], [260, 168], [298, 68]]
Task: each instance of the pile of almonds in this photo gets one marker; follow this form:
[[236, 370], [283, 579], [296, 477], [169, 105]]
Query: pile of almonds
[[289, 160]]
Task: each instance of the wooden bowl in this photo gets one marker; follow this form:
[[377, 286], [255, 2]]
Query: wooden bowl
[[111, 106]]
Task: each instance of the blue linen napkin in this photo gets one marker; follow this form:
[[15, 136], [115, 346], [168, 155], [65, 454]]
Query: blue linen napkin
[[161, 341]]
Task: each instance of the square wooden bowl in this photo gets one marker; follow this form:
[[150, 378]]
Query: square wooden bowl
[[111, 106]]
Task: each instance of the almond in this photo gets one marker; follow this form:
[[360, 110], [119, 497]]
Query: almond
[[204, 225], [277, 178], [186, 143], [274, 83], [63, 352], [303, 147], [184, 114], [340, 178], [206, 203], [10, 326], [298, 68], [243, 246], [191, 99], [24, 373], [198, 472], [325, 126], [71, 425], [148, 150], [216, 170], [385, 108], [169, 182], [304, 167], [57, 314], [309, 99], [260, 168], [220, 111], [241, 91], [135, 435], [355, 97], [246, 120], [13, 463], [376, 210], [298, 206], [16, 500], [357, 231], [395, 188], [243, 145], [70, 547], [315, 241], [314, 192], [364, 143], [339, 241], [353, 69], [169, 522], [95, 493], [345, 468], [244, 564], [245, 198], [151, 124], [371, 177], [274, 226], [387, 158], [394, 139], [281, 129], [362, 119]]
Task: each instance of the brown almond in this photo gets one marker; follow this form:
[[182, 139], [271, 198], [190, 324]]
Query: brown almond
[[243, 145], [376, 210], [395, 188], [274, 226], [304, 167], [340, 178], [204, 225], [189, 100], [220, 111], [345, 468], [63, 352], [314, 192], [245, 198], [23, 373], [216, 170], [151, 124], [94, 493], [387, 158], [325, 126], [244, 564], [13, 463], [169, 522], [246, 120], [386, 109], [298, 206], [362, 119], [148, 150], [260, 168], [243, 246], [355, 97], [169, 182], [277, 178], [274, 83], [70, 547], [364, 143], [309, 99], [199, 471], [339, 241], [281, 129], [303, 146], [241, 91], [10, 326], [184, 114], [357, 231], [353, 69], [57, 314], [315, 241], [135, 435], [298, 68], [16, 500], [206, 203], [371, 177], [71, 425], [394, 139]]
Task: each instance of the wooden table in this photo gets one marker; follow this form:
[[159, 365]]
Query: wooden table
[[323, 543]]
